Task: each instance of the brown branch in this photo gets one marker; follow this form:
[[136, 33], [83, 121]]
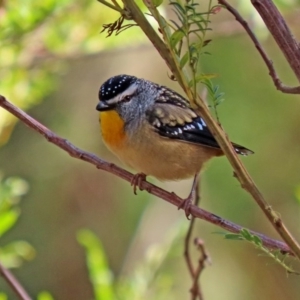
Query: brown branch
[[186, 253], [204, 257], [14, 283], [272, 72], [280, 32], [201, 265], [137, 15], [241, 173], [195, 290], [75, 152]]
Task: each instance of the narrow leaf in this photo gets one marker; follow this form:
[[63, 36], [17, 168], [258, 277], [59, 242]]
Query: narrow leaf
[[184, 60], [257, 240], [178, 7], [246, 235], [15, 253], [100, 274], [157, 3], [232, 236], [176, 37], [8, 219], [179, 16], [175, 23]]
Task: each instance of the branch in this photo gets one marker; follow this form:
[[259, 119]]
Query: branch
[[14, 283], [277, 82], [114, 7], [151, 34], [75, 152], [195, 289], [280, 32], [201, 265], [240, 172]]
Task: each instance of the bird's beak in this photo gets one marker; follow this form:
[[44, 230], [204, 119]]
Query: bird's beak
[[103, 106]]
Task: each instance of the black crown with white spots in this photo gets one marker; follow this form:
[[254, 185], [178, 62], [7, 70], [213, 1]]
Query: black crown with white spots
[[114, 86]]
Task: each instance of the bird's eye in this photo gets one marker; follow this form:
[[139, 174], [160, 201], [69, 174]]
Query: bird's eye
[[127, 98]]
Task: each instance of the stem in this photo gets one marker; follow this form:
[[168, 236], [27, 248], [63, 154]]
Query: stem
[[160, 46], [170, 56], [116, 8], [14, 283], [272, 72], [280, 32]]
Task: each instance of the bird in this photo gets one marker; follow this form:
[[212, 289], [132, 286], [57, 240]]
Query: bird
[[155, 131]]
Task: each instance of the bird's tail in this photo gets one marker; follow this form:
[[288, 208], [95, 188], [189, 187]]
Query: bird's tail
[[241, 150]]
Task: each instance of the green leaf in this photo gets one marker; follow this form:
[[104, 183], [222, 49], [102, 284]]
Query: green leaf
[[3, 296], [176, 37], [184, 60], [204, 78], [157, 3], [8, 219], [253, 239], [45, 296], [176, 25], [232, 236], [257, 240], [14, 254], [100, 274], [180, 17], [246, 235], [178, 7]]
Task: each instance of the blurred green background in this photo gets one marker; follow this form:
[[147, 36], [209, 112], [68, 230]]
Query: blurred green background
[[53, 61]]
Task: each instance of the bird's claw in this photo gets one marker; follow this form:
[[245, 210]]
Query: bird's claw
[[186, 206], [136, 181]]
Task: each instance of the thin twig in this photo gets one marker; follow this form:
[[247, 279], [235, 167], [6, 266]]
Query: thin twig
[[281, 33], [195, 272], [186, 253], [14, 283], [117, 8], [204, 257], [196, 287], [195, 290], [155, 39], [75, 152], [277, 82]]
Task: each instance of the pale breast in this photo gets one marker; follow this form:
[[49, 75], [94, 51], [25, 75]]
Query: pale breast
[[162, 157]]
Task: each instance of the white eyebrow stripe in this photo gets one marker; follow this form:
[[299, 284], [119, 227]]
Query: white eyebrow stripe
[[118, 98]]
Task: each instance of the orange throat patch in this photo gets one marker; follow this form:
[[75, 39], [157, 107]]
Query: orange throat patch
[[112, 128]]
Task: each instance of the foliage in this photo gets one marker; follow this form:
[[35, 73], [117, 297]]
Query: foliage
[[187, 38], [100, 275], [215, 96], [13, 254], [37, 39], [136, 285], [44, 296], [245, 235]]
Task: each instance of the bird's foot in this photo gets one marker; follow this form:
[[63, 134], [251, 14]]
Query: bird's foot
[[186, 205], [137, 180]]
